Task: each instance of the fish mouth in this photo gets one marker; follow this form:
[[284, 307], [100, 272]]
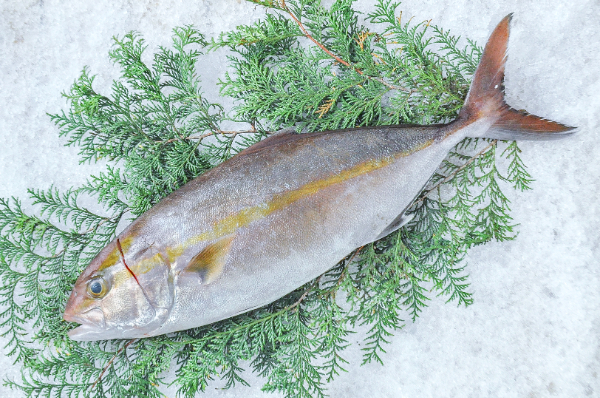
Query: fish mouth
[[92, 317], [93, 327], [92, 324], [91, 333], [87, 333]]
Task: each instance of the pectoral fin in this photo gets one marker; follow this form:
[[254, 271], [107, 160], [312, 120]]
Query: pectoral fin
[[209, 263], [398, 223]]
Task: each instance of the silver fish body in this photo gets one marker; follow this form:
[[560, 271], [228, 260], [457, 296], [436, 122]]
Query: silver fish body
[[292, 210], [277, 215]]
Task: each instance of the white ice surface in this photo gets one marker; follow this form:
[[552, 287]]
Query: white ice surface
[[534, 330]]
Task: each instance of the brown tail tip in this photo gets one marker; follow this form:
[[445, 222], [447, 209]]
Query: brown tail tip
[[487, 89], [486, 97], [520, 125]]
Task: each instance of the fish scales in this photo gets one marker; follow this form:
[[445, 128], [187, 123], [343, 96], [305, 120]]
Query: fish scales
[[279, 214], [331, 196]]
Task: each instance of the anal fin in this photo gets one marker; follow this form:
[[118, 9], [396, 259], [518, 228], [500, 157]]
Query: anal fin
[[395, 225], [209, 263]]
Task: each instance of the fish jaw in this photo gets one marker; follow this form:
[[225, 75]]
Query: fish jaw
[[90, 331], [92, 326], [87, 332]]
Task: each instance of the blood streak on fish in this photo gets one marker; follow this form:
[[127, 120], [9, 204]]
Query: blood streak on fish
[[124, 263], [279, 214]]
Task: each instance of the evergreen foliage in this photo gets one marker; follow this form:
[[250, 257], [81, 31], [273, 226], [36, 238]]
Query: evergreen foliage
[[303, 66]]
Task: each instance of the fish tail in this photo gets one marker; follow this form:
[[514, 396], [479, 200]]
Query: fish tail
[[486, 99]]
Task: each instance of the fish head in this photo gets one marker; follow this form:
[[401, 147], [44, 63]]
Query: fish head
[[125, 292]]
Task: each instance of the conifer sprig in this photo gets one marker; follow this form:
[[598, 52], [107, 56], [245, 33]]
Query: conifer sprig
[[302, 66]]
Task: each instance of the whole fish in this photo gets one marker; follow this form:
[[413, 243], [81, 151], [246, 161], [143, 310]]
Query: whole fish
[[279, 214]]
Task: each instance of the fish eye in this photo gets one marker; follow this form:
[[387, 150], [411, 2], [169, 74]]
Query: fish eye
[[97, 287]]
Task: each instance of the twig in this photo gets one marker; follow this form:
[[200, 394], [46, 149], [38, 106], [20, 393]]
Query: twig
[[345, 271], [111, 361], [341, 61], [451, 175], [105, 219], [316, 283], [338, 59], [217, 132]]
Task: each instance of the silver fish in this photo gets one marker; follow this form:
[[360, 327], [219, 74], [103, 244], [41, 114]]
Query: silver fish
[[279, 214]]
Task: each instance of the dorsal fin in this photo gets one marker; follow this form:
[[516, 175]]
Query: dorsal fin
[[395, 225], [209, 263], [278, 138]]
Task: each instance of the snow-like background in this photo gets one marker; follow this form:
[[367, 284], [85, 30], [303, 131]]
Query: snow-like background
[[534, 330]]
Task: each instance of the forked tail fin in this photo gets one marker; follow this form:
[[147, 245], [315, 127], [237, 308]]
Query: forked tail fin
[[486, 98]]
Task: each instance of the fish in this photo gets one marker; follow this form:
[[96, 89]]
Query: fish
[[279, 214]]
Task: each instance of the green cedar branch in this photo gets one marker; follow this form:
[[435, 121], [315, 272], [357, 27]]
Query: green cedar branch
[[119, 351], [454, 173], [281, 5], [151, 128]]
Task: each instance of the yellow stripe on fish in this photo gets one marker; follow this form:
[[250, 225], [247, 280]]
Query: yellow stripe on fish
[[244, 217], [230, 224]]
